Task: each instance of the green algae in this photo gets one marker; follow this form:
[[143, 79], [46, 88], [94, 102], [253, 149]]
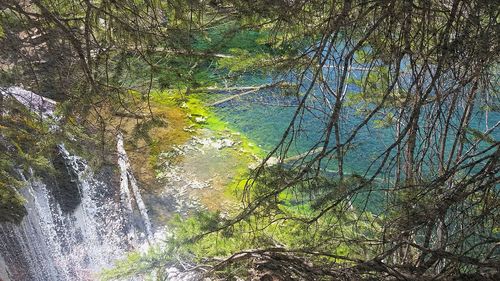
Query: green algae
[[199, 116]]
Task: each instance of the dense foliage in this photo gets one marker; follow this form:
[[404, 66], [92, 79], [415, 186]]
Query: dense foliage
[[425, 71]]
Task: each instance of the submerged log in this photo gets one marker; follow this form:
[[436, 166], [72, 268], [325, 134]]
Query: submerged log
[[247, 90]]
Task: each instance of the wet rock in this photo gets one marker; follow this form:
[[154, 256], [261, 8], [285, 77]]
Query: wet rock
[[64, 185], [272, 161], [40, 105], [224, 143], [200, 119], [189, 129]]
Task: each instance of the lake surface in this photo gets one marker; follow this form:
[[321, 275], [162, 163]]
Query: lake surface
[[264, 116]]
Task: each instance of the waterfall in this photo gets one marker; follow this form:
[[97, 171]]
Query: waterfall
[[51, 244], [75, 240]]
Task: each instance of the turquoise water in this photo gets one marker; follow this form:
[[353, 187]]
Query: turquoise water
[[265, 116], [264, 119]]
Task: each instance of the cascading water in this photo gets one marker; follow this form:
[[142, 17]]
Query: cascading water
[[50, 244], [57, 242]]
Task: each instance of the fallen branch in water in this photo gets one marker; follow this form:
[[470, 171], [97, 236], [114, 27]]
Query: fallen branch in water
[[247, 90], [303, 155]]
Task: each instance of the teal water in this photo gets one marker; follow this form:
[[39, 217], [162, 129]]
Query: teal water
[[264, 117]]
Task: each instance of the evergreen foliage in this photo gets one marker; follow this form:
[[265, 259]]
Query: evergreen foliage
[[420, 70]]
